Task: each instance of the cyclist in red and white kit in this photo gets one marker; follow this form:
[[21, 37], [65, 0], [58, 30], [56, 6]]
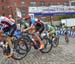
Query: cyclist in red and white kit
[[8, 26]]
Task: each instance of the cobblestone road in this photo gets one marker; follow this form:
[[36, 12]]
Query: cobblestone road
[[63, 54]]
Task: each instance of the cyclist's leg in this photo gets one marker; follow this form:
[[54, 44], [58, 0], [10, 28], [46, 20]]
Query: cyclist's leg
[[6, 29], [11, 32], [13, 29], [33, 31], [66, 37], [40, 29]]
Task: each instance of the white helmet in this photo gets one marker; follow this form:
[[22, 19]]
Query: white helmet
[[36, 19]]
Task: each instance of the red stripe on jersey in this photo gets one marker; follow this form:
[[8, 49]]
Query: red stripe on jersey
[[39, 22], [6, 23]]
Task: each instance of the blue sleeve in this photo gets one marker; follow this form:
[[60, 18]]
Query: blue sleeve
[[33, 21]]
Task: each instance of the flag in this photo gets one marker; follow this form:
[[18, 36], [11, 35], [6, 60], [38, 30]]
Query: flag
[[18, 12]]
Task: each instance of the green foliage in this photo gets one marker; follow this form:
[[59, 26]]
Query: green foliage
[[66, 16]]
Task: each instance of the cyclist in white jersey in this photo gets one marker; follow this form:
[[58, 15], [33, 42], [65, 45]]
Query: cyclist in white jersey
[[8, 26]]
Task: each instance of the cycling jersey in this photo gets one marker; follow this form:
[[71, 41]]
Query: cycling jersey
[[11, 19], [7, 25], [32, 22], [24, 24], [39, 26], [50, 28], [35, 21], [5, 22]]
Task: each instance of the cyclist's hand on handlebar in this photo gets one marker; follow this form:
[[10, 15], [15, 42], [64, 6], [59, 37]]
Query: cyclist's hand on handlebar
[[37, 32], [23, 30]]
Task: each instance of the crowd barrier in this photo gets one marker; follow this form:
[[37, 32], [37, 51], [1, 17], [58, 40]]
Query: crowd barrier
[[62, 33]]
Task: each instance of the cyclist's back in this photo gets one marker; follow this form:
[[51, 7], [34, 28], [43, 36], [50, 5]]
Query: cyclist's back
[[7, 25], [39, 26], [51, 28], [24, 24]]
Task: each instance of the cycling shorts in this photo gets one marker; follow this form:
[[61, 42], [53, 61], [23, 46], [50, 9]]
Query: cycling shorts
[[11, 30]]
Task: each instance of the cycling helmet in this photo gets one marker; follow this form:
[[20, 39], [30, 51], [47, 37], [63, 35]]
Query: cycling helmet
[[27, 17]]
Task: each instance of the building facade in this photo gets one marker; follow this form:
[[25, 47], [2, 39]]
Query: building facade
[[3, 7], [11, 5], [72, 2]]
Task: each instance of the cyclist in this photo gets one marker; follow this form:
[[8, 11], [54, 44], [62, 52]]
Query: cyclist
[[52, 33], [65, 33], [8, 26], [50, 29], [36, 26], [24, 24]]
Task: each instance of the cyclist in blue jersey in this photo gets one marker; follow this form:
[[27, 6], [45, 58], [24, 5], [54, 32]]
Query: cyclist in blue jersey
[[36, 26]]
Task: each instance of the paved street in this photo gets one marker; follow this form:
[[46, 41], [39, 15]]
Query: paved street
[[63, 54]]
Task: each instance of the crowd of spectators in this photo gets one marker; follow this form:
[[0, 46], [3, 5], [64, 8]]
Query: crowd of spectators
[[70, 31]]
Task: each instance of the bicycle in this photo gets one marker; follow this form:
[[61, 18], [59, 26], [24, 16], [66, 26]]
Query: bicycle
[[19, 53], [55, 40], [47, 42], [66, 39]]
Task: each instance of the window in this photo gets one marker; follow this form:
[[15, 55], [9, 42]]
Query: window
[[3, 14], [66, 3], [23, 4], [42, 3], [58, 3], [33, 3], [3, 7], [73, 3], [51, 3], [2, 0], [23, 12]]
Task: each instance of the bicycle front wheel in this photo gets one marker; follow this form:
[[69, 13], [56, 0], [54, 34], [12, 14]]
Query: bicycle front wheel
[[19, 53], [48, 45], [55, 42]]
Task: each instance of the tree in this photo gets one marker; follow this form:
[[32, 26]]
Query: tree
[[66, 16]]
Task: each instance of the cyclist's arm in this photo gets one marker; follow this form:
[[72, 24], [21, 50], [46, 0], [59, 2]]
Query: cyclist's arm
[[27, 29], [32, 25], [52, 30]]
